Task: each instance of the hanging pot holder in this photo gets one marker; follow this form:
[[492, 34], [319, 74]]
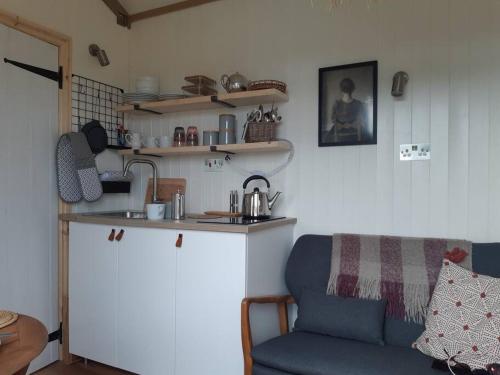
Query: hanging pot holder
[[85, 167], [68, 183]]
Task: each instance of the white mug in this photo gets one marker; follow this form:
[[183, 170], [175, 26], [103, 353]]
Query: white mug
[[155, 211], [165, 141], [134, 140], [151, 142]]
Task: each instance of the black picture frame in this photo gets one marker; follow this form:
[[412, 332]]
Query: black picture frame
[[347, 117]]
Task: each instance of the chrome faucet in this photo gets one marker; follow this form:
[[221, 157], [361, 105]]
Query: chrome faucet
[[155, 173]]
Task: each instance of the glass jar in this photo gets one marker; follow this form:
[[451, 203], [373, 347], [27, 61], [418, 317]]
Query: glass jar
[[192, 136], [179, 137]]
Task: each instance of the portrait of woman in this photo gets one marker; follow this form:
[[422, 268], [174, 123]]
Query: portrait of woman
[[347, 105]]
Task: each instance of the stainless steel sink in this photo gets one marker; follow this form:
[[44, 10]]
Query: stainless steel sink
[[120, 214]]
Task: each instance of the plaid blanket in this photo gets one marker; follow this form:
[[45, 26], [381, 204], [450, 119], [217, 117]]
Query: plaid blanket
[[401, 270]]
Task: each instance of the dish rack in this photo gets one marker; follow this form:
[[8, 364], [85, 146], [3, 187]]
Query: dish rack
[[94, 100]]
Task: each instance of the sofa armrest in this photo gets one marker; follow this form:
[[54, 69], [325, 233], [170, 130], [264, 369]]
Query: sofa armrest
[[246, 332]]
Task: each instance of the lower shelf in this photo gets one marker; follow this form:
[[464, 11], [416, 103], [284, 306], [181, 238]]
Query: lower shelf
[[259, 147]]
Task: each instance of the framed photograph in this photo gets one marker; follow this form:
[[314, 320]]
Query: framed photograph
[[348, 105]]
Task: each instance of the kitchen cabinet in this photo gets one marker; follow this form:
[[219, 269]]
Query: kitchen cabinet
[[147, 306]]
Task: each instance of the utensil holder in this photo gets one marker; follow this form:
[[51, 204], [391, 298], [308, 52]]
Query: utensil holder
[[261, 132]]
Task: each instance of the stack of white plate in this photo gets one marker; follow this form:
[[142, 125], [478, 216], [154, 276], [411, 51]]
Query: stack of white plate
[[137, 98], [147, 85], [167, 96]]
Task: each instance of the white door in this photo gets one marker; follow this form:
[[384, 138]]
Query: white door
[[28, 195], [93, 293], [146, 298], [210, 287]]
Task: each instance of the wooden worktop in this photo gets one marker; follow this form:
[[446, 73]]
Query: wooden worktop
[[188, 224]]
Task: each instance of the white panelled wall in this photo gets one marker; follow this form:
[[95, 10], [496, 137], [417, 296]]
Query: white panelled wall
[[450, 48]]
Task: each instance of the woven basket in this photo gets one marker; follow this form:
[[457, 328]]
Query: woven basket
[[7, 318], [261, 132], [267, 84]]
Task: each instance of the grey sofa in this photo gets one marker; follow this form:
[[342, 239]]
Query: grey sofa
[[304, 353]]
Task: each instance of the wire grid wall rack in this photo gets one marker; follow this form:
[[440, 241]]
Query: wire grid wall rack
[[94, 100]]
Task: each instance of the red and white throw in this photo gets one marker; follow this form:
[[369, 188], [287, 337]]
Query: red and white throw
[[402, 270]]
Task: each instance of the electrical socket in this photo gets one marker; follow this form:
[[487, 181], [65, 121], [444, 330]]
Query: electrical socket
[[416, 151], [214, 165]]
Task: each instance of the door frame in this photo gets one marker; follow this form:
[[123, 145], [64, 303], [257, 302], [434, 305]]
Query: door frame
[[64, 47]]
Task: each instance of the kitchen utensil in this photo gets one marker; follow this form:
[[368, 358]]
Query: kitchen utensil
[[179, 137], [97, 137], [267, 84], [177, 209], [155, 211], [234, 83], [166, 186], [257, 204], [192, 136], [152, 142], [199, 90], [134, 140], [210, 137], [223, 213], [233, 201], [165, 141], [227, 129]]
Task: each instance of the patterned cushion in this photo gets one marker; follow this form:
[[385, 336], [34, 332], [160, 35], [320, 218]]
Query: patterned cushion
[[463, 318]]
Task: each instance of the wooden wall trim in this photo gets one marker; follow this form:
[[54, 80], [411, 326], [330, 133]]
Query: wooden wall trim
[[64, 44]]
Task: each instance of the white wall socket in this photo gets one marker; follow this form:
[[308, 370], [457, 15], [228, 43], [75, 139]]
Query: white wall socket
[[214, 165], [415, 151]]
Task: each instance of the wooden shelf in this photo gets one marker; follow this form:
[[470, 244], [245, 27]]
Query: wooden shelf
[[243, 148], [197, 103]]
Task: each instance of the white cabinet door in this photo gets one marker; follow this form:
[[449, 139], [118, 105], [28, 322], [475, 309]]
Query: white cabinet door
[[210, 287], [146, 298], [93, 277]]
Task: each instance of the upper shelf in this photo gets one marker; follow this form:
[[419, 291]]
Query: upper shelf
[[240, 148], [196, 103]]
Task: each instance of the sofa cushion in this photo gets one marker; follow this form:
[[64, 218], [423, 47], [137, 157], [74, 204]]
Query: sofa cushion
[[312, 354], [349, 318], [263, 370], [463, 319]]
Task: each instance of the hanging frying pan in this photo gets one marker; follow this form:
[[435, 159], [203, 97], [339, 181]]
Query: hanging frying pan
[[97, 137]]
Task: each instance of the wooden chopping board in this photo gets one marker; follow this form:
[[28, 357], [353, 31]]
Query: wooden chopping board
[[166, 186]]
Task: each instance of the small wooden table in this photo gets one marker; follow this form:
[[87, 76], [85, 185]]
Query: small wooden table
[[16, 352]]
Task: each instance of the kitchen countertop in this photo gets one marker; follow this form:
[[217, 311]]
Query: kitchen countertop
[[188, 224]]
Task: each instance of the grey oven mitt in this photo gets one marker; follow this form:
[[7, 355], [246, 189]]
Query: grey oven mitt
[[86, 169], [68, 183]]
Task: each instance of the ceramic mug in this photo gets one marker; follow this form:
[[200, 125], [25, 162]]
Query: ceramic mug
[[155, 211], [165, 141], [152, 142], [134, 140]]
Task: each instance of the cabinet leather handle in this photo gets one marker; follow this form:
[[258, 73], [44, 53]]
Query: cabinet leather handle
[[178, 243], [119, 236], [111, 236]]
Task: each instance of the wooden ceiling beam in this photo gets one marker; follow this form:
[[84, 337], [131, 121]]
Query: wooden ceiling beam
[[122, 16], [181, 5]]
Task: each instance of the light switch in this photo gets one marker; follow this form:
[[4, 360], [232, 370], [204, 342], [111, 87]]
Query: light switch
[[415, 151]]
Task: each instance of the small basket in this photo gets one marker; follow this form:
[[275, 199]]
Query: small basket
[[261, 132]]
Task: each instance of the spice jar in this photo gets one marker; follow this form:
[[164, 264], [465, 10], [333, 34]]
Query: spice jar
[[192, 136], [179, 137]]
